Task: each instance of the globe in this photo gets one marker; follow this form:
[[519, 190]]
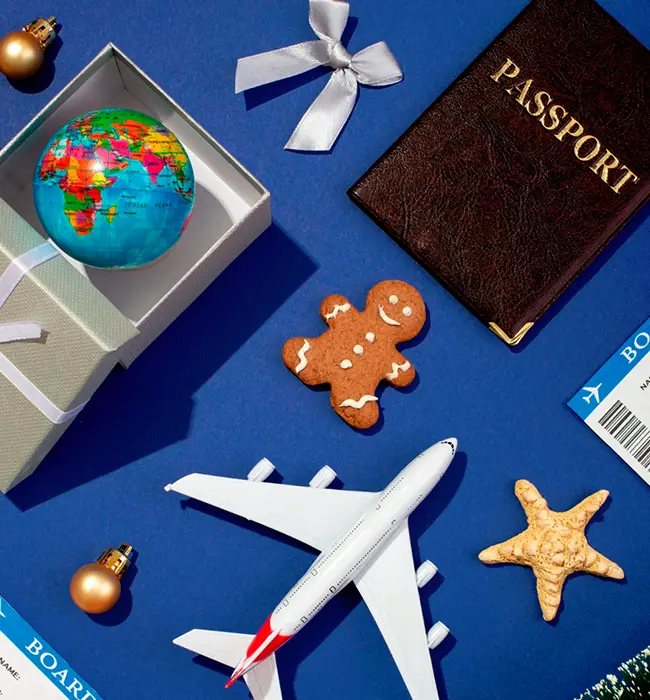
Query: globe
[[114, 188]]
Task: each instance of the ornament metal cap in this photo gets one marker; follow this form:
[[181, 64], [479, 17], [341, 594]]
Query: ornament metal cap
[[43, 29], [117, 560]]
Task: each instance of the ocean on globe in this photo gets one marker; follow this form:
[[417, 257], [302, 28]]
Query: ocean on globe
[[114, 188]]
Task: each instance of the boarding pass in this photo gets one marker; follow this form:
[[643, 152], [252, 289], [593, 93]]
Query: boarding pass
[[615, 402], [30, 669]]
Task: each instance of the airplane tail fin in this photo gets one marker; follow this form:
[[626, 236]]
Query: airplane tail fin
[[228, 648]]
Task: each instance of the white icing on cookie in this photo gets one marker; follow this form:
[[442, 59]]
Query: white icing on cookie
[[370, 337], [302, 357], [346, 364], [351, 403], [407, 311], [396, 369], [393, 299], [357, 350], [387, 319], [342, 308]]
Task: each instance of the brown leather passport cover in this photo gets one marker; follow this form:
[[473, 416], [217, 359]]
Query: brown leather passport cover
[[523, 170]]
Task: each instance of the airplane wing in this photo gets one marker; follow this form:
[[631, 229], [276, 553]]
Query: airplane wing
[[311, 515], [390, 590], [228, 648]]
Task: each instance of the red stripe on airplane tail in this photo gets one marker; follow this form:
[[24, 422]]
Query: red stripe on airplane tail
[[261, 637]]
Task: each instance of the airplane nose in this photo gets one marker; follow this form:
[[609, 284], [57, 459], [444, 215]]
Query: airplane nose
[[453, 443]]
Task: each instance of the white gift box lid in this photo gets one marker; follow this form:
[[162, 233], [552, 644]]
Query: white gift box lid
[[232, 207]]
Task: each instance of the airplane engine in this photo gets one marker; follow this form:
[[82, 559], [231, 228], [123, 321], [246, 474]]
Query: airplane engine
[[426, 571], [261, 471], [437, 634], [323, 478]]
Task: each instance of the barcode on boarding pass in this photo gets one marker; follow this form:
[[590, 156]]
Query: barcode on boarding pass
[[629, 431]]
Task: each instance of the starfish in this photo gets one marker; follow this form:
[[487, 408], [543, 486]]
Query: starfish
[[554, 545]]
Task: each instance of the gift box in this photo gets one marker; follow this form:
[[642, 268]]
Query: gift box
[[232, 207], [92, 318], [59, 338]]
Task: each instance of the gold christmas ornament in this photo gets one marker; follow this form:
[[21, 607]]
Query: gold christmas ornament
[[554, 545], [96, 588], [22, 52]]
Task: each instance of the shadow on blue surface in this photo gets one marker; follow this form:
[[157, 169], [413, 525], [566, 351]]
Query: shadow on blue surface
[[237, 521], [419, 523], [151, 404], [265, 93], [585, 277], [312, 636], [122, 610], [45, 76], [596, 518], [373, 430]]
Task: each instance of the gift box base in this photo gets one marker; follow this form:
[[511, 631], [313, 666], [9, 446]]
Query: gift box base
[[232, 208]]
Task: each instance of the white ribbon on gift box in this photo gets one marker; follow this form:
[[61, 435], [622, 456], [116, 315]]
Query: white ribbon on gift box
[[322, 123], [27, 330]]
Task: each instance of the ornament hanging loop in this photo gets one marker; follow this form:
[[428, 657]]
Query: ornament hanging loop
[[44, 30]]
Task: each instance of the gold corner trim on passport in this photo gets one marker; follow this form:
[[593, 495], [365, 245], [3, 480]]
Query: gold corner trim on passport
[[516, 338]]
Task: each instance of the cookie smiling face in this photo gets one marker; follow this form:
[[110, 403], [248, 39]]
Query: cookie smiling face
[[358, 350], [400, 308]]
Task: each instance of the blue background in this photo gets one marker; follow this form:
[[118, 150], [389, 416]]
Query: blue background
[[212, 395]]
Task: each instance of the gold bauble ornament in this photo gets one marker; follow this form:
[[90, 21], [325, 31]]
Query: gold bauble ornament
[[96, 588], [22, 52]]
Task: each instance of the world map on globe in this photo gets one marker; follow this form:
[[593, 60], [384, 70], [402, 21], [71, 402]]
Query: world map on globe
[[114, 188]]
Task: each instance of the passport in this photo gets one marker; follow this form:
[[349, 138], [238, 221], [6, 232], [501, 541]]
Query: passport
[[526, 167]]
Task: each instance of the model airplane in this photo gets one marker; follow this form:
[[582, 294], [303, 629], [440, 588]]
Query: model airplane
[[592, 392], [363, 538]]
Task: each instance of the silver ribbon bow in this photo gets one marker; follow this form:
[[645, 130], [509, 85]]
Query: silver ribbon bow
[[322, 123]]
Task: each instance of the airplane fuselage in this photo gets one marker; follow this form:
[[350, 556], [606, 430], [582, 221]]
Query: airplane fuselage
[[350, 554]]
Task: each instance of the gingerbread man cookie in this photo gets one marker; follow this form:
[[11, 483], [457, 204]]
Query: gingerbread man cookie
[[358, 350]]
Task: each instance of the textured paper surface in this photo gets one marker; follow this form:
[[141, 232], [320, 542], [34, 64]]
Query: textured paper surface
[[30, 669], [494, 202], [81, 332], [615, 402]]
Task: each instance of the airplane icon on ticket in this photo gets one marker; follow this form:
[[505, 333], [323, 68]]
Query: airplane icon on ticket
[[592, 392]]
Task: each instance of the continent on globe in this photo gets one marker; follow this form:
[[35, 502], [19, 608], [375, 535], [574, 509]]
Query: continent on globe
[[114, 188]]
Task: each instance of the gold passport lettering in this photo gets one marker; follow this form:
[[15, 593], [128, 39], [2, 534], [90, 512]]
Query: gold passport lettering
[[586, 148]]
